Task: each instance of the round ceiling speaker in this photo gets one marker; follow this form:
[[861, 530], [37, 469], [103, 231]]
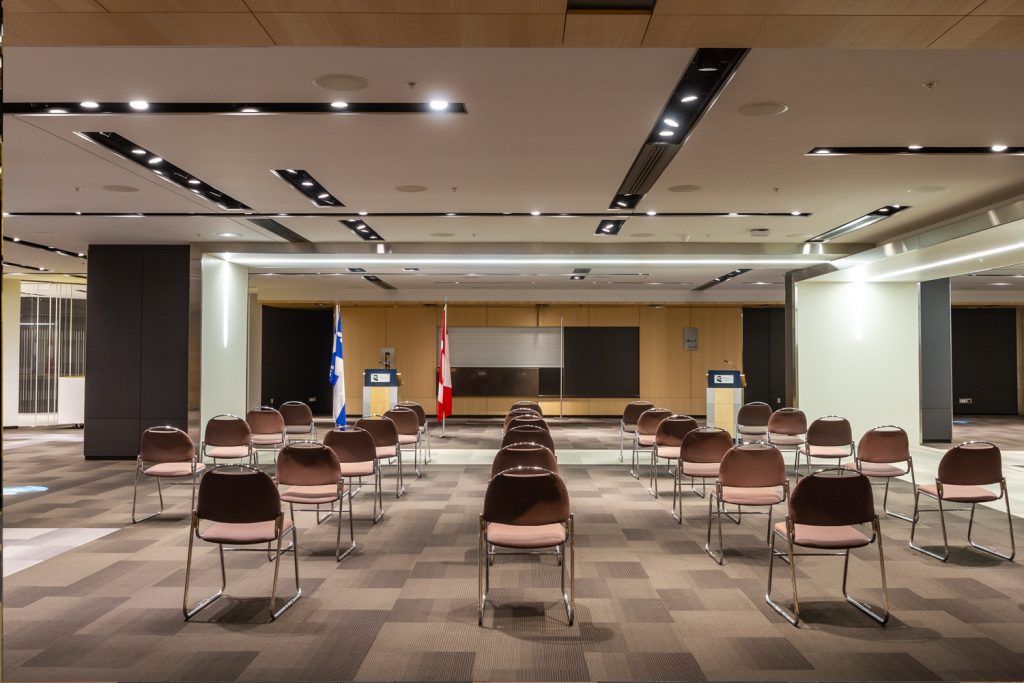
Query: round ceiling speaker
[[442, 234], [341, 82], [763, 109], [411, 188], [684, 188], [120, 188]]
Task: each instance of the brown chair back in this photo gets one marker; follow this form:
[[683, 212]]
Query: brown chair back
[[421, 414], [973, 463], [528, 434], [512, 498], [524, 455], [296, 414], [265, 420], [755, 414], [884, 445], [632, 412], [227, 430], [520, 412], [673, 429], [351, 445], [706, 444], [237, 494], [532, 405], [520, 420], [828, 498], [788, 421], [382, 429], [407, 422], [306, 463], [166, 444], [647, 423], [752, 465], [830, 431]]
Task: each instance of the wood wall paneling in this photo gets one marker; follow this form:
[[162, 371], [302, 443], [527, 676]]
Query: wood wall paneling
[[720, 337], [511, 316], [573, 316], [614, 316], [464, 316], [410, 330], [363, 332]]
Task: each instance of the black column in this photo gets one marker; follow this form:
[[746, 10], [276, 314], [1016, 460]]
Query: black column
[[936, 362], [137, 334]]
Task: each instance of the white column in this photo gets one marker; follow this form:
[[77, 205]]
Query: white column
[[858, 353], [12, 348], [225, 336]]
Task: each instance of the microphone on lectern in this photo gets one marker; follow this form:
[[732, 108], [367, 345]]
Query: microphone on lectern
[[743, 377]]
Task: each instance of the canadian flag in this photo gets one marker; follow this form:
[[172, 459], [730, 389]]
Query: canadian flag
[[444, 380]]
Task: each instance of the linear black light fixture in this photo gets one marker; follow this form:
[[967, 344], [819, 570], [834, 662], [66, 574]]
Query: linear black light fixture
[[579, 273], [721, 278], [44, 247], [12, 264], [304, 182], [704, 77], [126, 149], [241, 108], [424, 214], [377, 281], [270, 225], [363, 230], [862, 222], [912, 150], [609, 227]]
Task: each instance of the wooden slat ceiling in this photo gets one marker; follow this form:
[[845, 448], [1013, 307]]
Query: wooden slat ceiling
[[522, 23]]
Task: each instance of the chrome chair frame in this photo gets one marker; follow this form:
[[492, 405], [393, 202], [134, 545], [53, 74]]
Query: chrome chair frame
[[309, 435], [202, 446], [885, 496], [399, 480], [716, 498], [804, 449], [139, 470]]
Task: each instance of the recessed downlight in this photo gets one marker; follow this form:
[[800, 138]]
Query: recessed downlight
[[338, 104], [535, 213], [652, 213], [152, 161], [250, 110], [795, 213], [57, 110], [308, 186], [671, 122], [89, 104], [665, 133], [689, 98], [193, 181], [915, 147], [822, 151], [362, 213], [438, 105], [999, 148], [139, 105], [228, 234]]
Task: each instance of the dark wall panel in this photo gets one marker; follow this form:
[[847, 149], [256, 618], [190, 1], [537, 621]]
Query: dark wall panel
[[164, 327], [296, 357], [984, 361], [602, 362], [936, 362], [764, 355]]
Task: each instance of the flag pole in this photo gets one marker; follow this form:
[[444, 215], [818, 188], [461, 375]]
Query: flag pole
[[444, 417]]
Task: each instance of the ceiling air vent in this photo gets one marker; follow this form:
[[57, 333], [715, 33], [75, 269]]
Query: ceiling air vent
[[650, 162]]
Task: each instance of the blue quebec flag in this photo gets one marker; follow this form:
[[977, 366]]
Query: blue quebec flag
[[337, 376]]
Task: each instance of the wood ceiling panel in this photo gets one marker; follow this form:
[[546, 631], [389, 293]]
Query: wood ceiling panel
[[122, 29], [1001, 7], [415, 30], [13, 6], [412, 6], [605, 29], [147, 6], [984, 32], [804, 31], [818, 7]]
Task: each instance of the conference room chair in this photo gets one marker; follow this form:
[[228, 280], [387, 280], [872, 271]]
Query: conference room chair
[[787, 428], [525, 455], [519, 412], [226, 437], [421, 414], [627, 423], [750, 475], [357, 455], [268, 430], [532, 434], [165, 453], [519, 420], [884, 453], [532, 405], [826, 513], [312, 473], [668, 438], [752, 422], [408, 425], [386, 444], [243, 509], [298, 421], [700, 456], [828, 438], [526, 510], [964, 471], [643, 436]]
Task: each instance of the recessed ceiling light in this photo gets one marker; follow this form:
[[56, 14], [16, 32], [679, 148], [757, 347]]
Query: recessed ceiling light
[[307, 183], [760, 283], [689, 98], [733, 214], [535, 213], [652, 213], [362, 213], [250, 110], [228, 234], [822, 151], [81, 256], [155, 160], [706, 69], [89, 104], [193, 181], [17, 239], [58, 111], [339, 105], [665, 133], [794, 213], [1000, 284], [998, 148], [139, 105], [450, 214], [915, 147], [671, 122], [323, 195], [138, 150], [438, 105], [884, 209], [341, 82], [158, 172]]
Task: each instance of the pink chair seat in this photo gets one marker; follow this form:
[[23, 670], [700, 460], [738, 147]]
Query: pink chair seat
[[668, 451], [227, 451], [408, 438], [645, 439], [761, 495], [266, 439], [959, 494], [629, 429], [357, 469], [516, 536], [386, 451], [826, 451], [324, 493], [785, 439], [173, 469], [701, 469], [299, 429], [813, 536], [242, 534], [752, 431], [877, 469]]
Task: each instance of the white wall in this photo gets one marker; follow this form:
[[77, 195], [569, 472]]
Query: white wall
[[12, 348], [858, 353], [225, 334], [255, 393]]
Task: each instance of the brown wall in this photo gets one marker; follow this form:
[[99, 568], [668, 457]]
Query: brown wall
[[669, 376]]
